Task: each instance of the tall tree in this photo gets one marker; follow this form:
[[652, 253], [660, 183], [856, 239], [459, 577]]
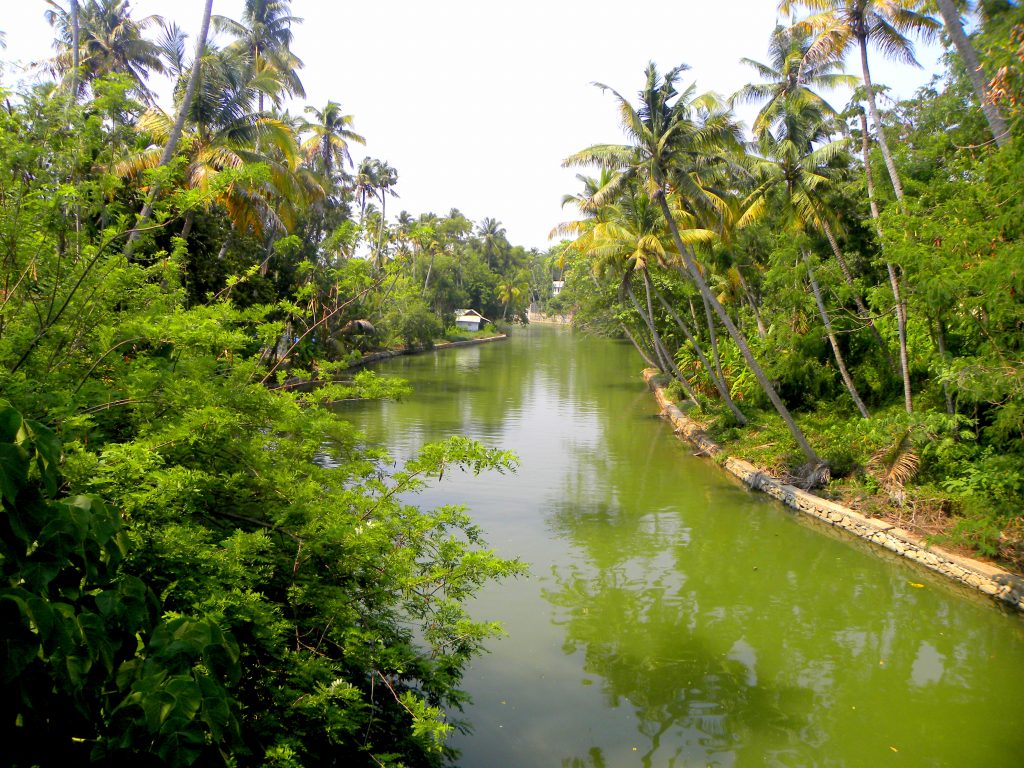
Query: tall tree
[[788, 73], [110, 41], [326, 149], [492, 238], [265, 34], [179, 122], [664, 138], [955, 29], [840, 25]]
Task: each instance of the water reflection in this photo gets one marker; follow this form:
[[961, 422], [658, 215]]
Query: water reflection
[[673, 618]]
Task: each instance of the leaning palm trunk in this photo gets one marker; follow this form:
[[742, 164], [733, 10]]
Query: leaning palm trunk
[[844, 267], [738, 339], [894, 281], [847, 380], [994, 118], [668, 365], [644, 353], [179, 123], [720, 384], [713, 339], [876, 118]]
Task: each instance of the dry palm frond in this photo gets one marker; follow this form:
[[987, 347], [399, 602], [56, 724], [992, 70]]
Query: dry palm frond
[[895, 465]]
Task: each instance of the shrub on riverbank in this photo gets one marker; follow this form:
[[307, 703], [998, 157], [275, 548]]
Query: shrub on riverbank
[[924, 472]]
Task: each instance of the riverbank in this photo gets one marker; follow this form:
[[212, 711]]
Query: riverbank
[[540, 318], [983, 577], [389, 353]]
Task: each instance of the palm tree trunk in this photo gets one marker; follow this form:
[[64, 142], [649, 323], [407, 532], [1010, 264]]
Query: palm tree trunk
[[901, 329], [858, 300], [380, 230], [179, 122], [761, 331], [894, 282], [737, 338], [668, 364], [877, 119], [940, 338], [638, 348], [718, 379], [847, 379], [869, 176], [75, 52], [430, 268], [994, 118], [713, 340]]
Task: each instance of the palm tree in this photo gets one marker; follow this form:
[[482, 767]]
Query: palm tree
[[666, 138], [511, 290], [803, 161], [839, 25], [387, 178], [326, 149], [634, 239], [955, 29], [109, 41], [265, 34], [223, 135], [492, 238], [789, 73], [364, 183], [171, 145]]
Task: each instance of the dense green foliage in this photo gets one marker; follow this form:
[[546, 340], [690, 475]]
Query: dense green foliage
[[886, 306], [203, 564]]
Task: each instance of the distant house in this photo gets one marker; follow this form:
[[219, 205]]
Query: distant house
[[557, 286], [469, 319]]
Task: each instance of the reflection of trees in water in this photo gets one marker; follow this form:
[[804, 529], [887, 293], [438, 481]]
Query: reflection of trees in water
[[693, 703], [737, 636], [734, 635]]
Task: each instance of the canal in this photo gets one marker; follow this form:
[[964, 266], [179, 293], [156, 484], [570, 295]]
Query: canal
[[672, 617]]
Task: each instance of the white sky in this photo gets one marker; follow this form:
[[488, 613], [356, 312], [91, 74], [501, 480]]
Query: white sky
[[476, 103]]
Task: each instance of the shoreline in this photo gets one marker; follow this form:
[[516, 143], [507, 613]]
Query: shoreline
[[991, 580], [387, 354]]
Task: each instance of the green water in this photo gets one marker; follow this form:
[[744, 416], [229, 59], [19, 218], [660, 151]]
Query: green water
[[673, 618]]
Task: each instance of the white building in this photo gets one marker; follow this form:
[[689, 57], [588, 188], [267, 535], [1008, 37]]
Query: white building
[[469, 319], [557, 286]]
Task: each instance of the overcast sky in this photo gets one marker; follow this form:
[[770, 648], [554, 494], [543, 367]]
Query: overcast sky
[[476, 103]]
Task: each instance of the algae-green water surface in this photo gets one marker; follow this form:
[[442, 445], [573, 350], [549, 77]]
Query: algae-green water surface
[[672, 617]]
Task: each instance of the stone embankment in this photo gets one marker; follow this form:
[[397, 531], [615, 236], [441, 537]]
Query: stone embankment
[[388, 353], [539, 318], [984, 577]]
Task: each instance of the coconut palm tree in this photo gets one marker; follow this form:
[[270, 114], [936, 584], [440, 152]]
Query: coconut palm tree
[[223, 134], [326, 149], [386, 178], [841, 25], [667, 142], [364, 183], [174, 133], [801, 160], [789, 72], [838, 26], [109, 41], [635, 240], [492, 238], [265, 35], [955, 29]]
